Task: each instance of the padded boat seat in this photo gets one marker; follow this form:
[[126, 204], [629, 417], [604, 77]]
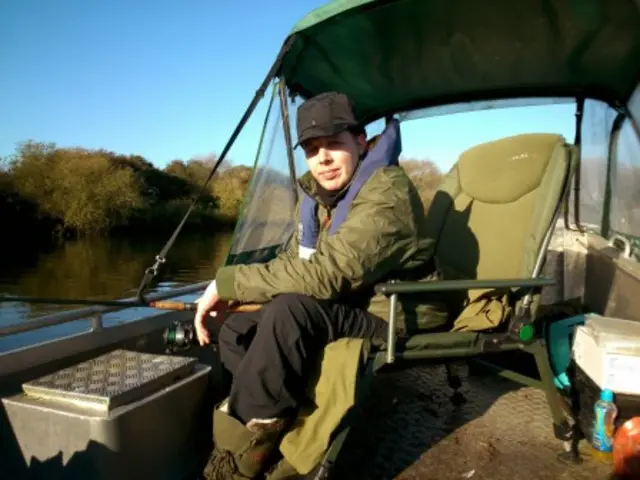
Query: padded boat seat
[[489, 216]]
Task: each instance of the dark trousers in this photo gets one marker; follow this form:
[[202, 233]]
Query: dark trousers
[[272, 353]]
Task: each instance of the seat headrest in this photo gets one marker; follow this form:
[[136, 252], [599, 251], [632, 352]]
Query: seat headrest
[[505, 170]]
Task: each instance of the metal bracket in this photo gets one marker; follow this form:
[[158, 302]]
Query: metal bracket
[[625, 242], [96, 322]]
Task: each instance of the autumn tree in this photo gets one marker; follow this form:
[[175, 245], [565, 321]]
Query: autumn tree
[[425, 175], [83, 189], [229, 188]]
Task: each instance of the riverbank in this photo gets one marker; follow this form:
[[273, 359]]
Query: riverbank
[[50, 193]]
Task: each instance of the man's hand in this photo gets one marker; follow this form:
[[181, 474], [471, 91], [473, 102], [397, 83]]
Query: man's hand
[[208, 304]]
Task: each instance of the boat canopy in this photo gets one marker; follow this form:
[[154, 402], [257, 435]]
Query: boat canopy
[[401, 55], [416, 58]]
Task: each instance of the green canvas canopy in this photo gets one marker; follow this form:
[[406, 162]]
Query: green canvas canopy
[[397, 55]]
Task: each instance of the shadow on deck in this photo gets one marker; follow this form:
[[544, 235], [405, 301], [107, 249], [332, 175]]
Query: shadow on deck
[[410, 429]]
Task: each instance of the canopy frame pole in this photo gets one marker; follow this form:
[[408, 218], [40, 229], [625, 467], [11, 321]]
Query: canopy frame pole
[[286, 126], [153, 271]]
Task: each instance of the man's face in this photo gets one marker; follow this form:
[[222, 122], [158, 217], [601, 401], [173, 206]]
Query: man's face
[[332, 160]]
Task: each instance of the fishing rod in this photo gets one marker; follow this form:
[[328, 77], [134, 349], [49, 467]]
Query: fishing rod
[[178, 337], [152, 272], [158, 304]]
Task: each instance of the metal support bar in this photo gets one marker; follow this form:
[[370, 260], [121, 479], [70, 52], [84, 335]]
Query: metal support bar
[[458, 352], [391, 288], [577, 183], [381, 358], [391, 332]]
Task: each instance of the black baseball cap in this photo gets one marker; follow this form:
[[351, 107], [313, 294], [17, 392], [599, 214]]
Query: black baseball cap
[[324, 115]]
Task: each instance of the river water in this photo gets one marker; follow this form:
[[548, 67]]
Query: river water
[[100, 268]]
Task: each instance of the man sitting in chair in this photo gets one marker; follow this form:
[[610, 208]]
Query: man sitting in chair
[[360, 222]]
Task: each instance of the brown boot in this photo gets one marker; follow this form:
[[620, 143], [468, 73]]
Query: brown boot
[[241, 452]]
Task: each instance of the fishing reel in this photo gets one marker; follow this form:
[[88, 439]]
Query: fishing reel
[[179, 337]]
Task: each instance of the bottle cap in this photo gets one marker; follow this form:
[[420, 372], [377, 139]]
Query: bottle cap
[[606, 395]]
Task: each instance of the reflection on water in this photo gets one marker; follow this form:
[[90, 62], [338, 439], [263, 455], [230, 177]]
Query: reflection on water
[[103, 268]]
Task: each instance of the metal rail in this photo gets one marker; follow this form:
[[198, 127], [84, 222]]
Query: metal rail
[[91, 313]]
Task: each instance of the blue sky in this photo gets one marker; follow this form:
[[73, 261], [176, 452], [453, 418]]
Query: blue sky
[[169, 79]]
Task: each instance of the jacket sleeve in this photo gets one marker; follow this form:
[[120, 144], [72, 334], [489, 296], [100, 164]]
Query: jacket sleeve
[[377, 237]]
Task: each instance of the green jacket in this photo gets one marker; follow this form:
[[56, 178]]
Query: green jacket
[[383, 238]]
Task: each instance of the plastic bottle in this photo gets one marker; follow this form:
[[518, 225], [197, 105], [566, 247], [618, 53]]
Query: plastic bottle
[[605, 413]]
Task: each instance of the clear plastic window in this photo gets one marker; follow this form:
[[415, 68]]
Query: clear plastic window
[[266, 217], [625, 181], [597, 120]]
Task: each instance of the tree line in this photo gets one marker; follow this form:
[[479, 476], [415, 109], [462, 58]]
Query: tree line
[[48, 192]]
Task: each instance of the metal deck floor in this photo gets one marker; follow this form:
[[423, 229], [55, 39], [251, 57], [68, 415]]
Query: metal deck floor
[[409, 430]]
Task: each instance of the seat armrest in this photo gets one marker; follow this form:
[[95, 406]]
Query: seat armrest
[[391, 288], [394, 288]]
